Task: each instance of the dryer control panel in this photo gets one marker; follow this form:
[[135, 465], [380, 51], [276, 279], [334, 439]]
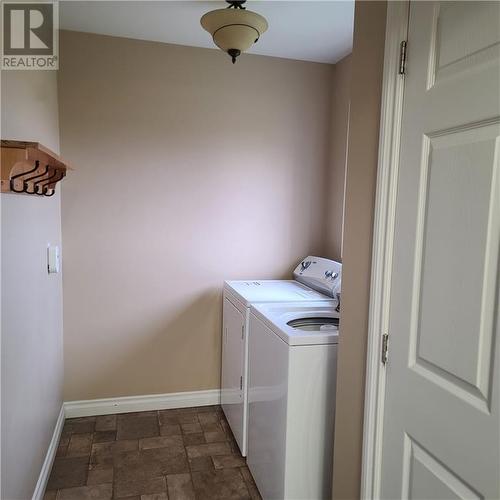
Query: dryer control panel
[[323, 275]]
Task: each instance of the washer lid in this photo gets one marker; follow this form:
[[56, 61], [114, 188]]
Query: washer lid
[[254, 291], [301, 323]]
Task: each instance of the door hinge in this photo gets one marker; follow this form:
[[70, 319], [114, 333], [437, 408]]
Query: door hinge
[[241, 383], [385, 348], [243, 331], [402, 58]]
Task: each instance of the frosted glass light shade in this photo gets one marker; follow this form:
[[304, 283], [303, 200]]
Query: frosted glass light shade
[[234, 30]]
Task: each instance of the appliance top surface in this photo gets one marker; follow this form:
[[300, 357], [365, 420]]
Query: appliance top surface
[[254, 291], [277, 317]]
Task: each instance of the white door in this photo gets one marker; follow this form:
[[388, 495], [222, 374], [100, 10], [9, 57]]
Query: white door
[[441, 419], [233, 346]]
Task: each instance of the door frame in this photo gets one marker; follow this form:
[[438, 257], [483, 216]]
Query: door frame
[[383, 239]]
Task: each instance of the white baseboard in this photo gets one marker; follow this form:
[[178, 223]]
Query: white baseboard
[[92, 407], [43, 478]]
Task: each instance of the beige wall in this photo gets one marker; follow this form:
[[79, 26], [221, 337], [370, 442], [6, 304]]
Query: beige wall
[[366, 82], [190, 170], [32, 346], [341, 89]]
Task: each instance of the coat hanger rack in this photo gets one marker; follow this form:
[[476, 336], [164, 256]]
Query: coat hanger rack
[[30, 168]]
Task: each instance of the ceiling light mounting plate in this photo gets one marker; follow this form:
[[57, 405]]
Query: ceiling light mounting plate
[[236, 4]]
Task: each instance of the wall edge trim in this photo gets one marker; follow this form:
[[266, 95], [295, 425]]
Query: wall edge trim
[[50, 456], [126, 404], [383, 235]]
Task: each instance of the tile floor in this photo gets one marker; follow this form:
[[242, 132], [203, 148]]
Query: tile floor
[[180, 454]]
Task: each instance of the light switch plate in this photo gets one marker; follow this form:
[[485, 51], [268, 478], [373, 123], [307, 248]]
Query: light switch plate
[[53, 261]]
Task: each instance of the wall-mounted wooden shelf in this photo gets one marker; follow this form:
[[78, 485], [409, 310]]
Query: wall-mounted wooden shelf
[[30, 168]]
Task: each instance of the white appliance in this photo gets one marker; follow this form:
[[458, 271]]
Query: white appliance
[[291, 390], [238, 297], [324, 275]]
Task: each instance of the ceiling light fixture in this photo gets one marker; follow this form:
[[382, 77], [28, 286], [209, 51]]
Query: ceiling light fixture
[[234, 29]]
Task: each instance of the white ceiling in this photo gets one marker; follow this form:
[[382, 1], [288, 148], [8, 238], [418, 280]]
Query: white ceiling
[[310, 30]]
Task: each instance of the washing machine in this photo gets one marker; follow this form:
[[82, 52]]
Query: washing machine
[[239, 296], [291, 398]]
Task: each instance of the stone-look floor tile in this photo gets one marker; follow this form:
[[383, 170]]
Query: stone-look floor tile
[[208, 418], [149, 413], [135, 426], [201, 463], [133, 486], [68, 472], [178, 416], [215, 436], [104, 436], [137, 468], [105, 423], [180, 487], [64, 441], [187, 418], [228, 461], [234, 447], [98, 492], [188, 409], [218, 484], [216, 408], [210, 449], [191, 428], [251, 486], [155, 496], [150, 463], [196, 438], [81, 425], [62, 447], [227, 430], [61, 450], [100, 476], [211, 427], [254, 492], [113, 447], [79, 445], [132, 465], [168, 417], [170, 430], [173, 443], [104, 455], [169, 460]]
